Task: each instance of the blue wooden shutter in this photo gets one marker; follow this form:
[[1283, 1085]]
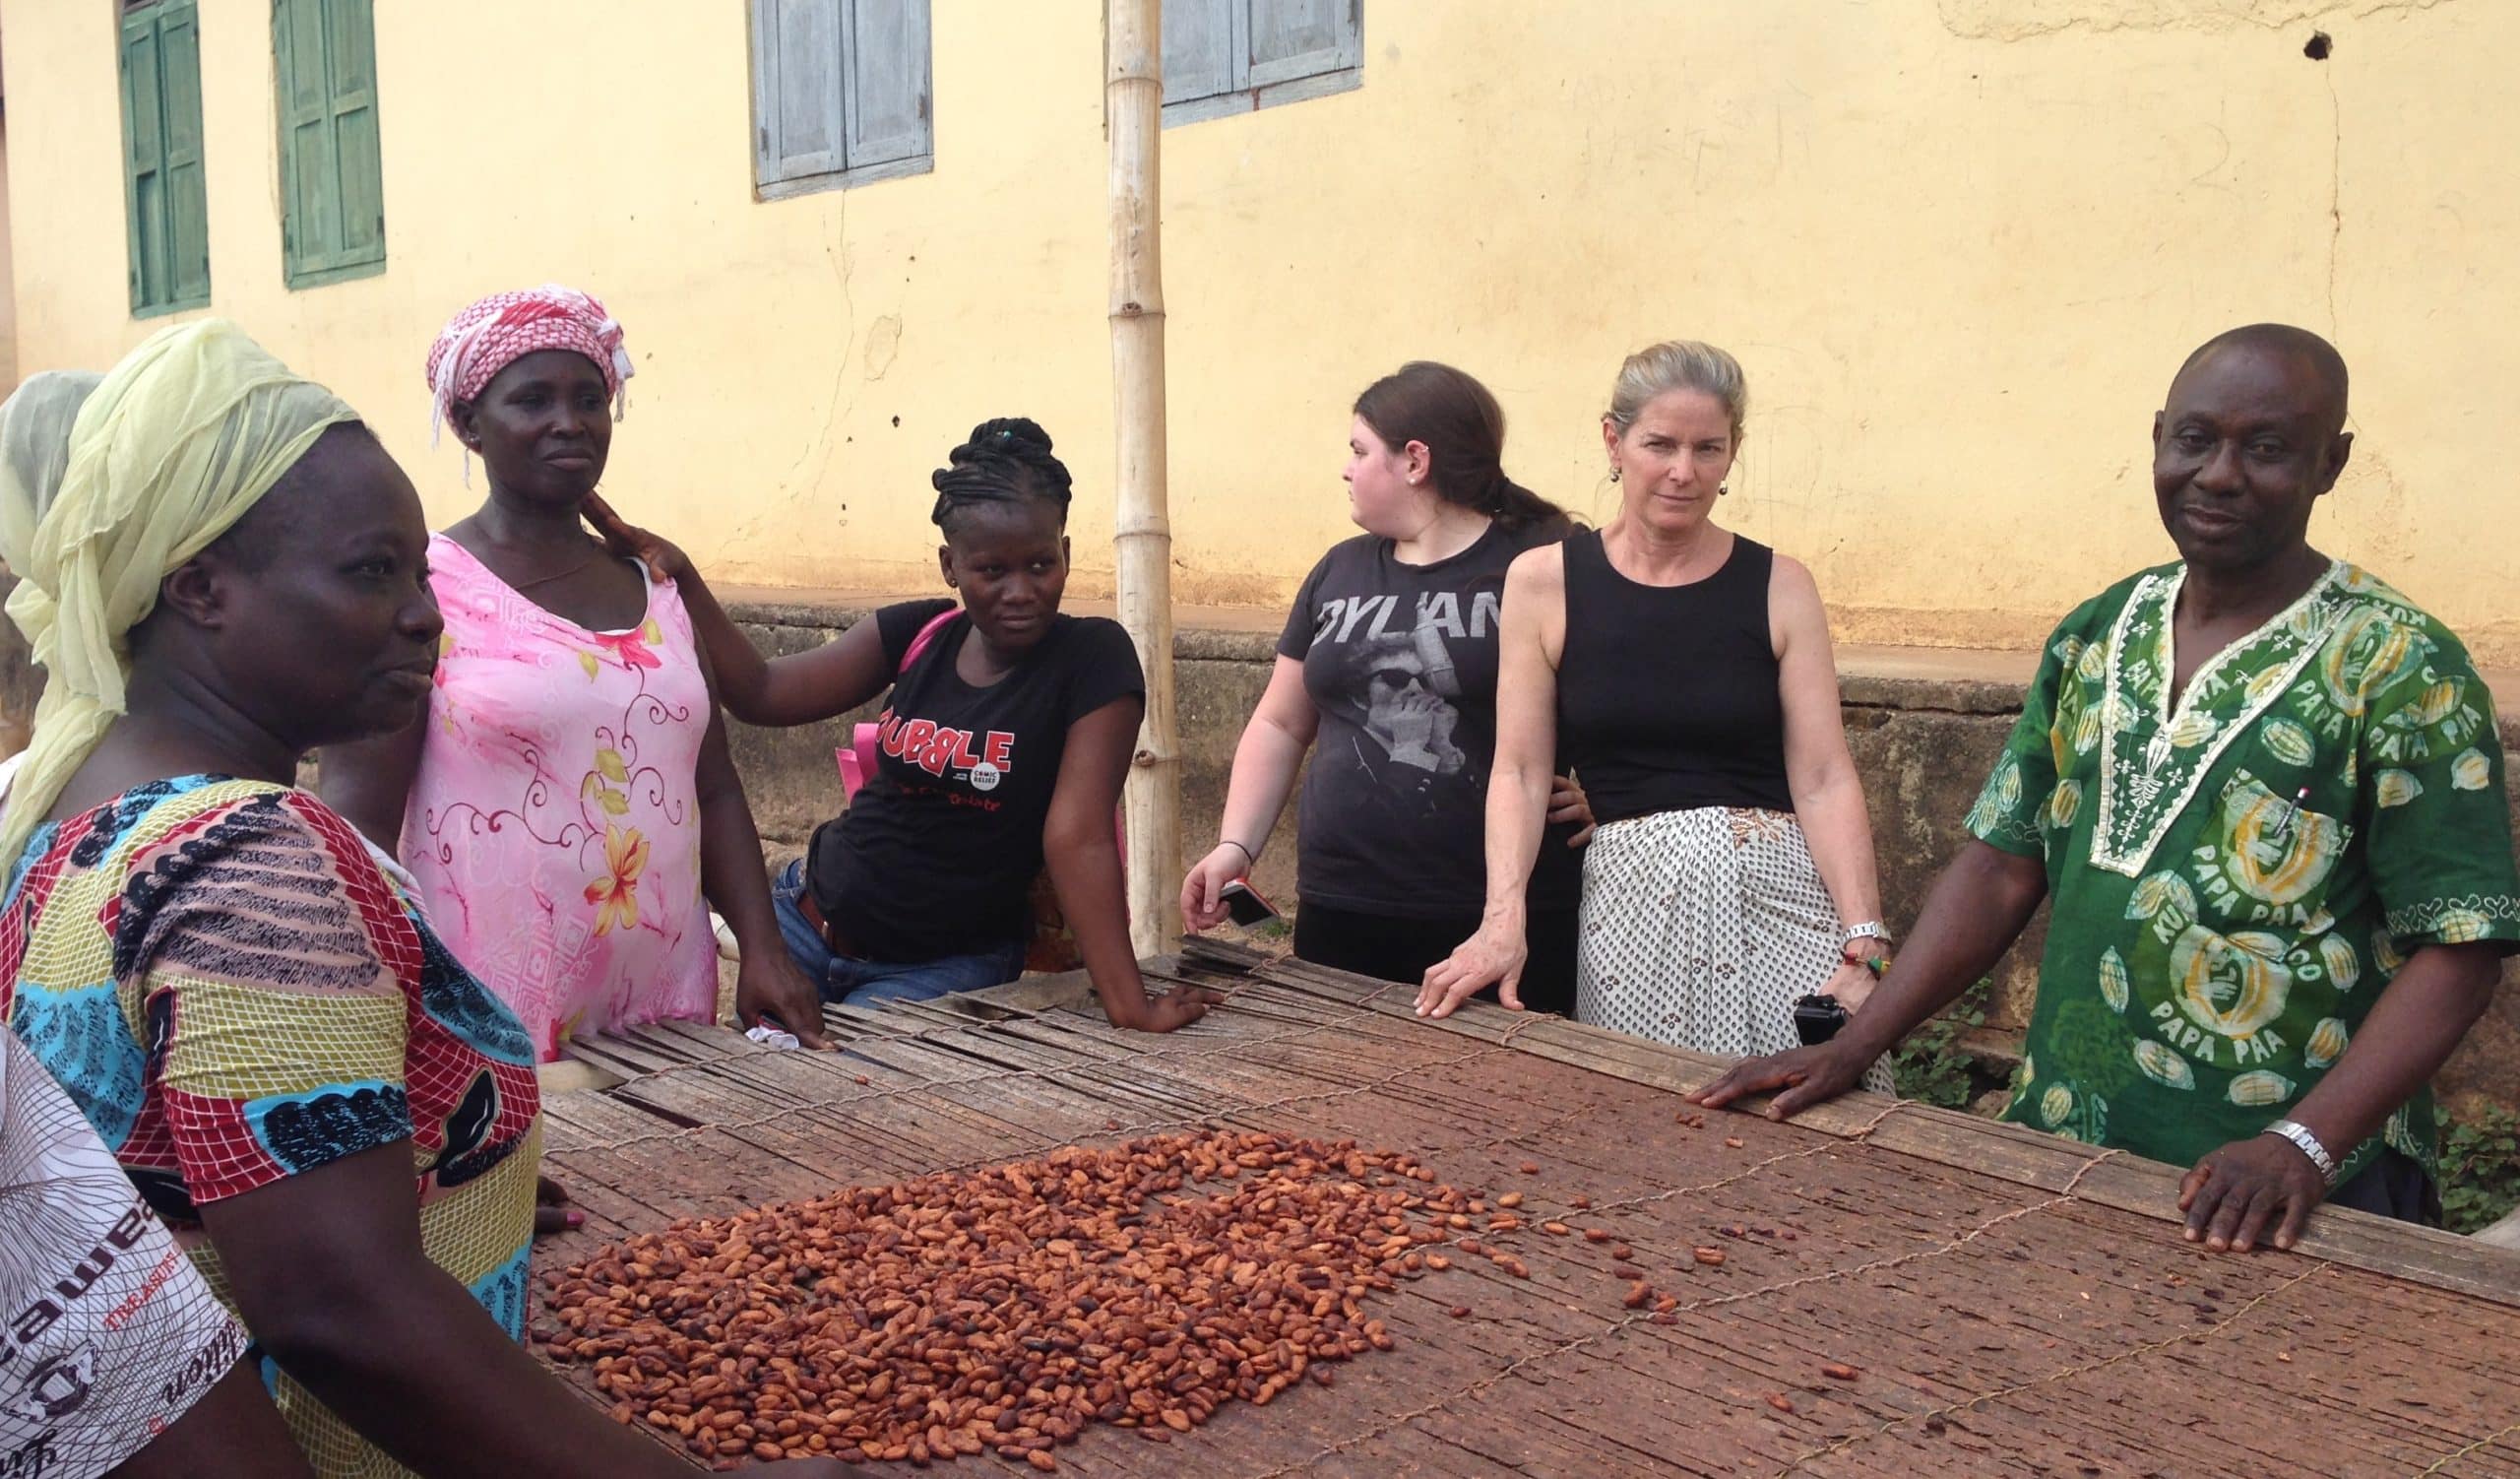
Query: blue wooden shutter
[[885, 83], [1298, 38], [798, 127], [1199, 48]]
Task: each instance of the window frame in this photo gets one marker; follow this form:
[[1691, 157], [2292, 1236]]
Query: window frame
[[339, 266], [1241, 96], [844, 106], [153, 16]]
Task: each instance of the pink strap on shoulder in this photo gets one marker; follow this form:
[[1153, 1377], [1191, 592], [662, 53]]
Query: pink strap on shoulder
[[858, 762], [926, 634]]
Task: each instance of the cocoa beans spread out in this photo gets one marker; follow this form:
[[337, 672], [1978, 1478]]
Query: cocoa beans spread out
[[1005, 1310]]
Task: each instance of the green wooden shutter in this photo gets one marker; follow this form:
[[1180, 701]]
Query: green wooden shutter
[[333, 201], [165, 196], [350, 68], [187, 193]]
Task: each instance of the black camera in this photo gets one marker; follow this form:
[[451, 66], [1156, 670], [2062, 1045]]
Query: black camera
[[1817, 1018]]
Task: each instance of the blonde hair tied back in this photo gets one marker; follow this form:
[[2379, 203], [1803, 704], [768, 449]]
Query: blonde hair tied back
[[1679, 364]]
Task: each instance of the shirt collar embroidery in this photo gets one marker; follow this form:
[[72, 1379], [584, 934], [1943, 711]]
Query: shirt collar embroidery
[[2154, 755]]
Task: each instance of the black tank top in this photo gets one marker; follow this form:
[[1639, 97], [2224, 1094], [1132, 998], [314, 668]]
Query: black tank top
[[1667, 695]]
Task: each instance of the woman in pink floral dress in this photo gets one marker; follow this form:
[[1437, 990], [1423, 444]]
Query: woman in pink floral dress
[[567, 803]]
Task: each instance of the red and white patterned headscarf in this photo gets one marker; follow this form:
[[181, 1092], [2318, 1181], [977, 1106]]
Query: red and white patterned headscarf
[[505, 327]]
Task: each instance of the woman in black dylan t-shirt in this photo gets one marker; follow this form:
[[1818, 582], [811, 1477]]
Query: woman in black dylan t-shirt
[[1004, 744], [1387, 674]]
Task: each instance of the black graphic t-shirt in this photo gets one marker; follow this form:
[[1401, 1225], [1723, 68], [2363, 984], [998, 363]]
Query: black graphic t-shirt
[[1401, 662], [938, 851]]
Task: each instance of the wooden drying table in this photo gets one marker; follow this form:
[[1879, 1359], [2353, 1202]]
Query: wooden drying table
[[2015, 1303]]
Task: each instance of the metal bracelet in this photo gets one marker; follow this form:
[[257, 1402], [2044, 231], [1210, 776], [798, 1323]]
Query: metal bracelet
[[1869, 930], [2309, 1144]]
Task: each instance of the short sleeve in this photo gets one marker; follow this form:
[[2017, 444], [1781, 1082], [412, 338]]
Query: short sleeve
[[898, 626], [2432, 808], [1304, 618], [1105, 667], [2017, 791], [279, 1025]]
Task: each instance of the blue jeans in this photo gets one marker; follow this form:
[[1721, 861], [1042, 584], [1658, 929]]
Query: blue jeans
[[863, 983]]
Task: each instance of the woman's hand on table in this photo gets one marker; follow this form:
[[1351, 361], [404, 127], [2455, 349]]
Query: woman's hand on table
[[551, 1210], [1496, 955], [1177, 1007], [1799, 1078], [768, 982], [664, 558], [1568, 802]]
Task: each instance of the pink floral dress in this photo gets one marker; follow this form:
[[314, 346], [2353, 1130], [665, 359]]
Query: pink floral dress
[[555, 825]]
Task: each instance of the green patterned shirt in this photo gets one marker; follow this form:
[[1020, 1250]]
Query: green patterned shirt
[[2232, 881]]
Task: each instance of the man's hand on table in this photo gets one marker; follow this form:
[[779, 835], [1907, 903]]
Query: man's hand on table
[[1799, 1078], [2239, 1193], [1177, 1007]]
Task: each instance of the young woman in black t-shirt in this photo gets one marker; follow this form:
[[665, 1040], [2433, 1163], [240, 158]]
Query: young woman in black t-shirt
[[1387, 675], [1005, 740]]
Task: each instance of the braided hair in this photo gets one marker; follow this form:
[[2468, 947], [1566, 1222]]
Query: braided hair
[[1007, 459]]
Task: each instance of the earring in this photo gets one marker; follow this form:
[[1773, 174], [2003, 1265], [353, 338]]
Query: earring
[[1722, 488], [1613, 472]]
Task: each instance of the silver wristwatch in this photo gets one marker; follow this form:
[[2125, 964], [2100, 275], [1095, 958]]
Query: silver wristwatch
[[2301, 1135], [1869, 930]]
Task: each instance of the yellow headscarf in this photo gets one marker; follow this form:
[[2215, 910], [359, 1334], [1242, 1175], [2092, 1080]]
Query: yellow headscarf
[[106, 487]]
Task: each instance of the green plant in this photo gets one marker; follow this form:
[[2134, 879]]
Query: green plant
[[2479, 1169], [1931, 1065]]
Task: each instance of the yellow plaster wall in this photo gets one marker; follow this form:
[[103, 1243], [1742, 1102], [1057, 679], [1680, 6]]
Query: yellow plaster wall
[[1959, 245]]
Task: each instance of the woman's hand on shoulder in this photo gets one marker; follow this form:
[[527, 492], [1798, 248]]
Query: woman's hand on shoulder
[[664, 558]]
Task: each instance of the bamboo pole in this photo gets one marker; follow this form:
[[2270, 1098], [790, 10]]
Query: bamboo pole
[[1133, 103]]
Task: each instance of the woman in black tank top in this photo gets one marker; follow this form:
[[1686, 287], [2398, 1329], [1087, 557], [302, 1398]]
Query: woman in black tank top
[[1684, 673]]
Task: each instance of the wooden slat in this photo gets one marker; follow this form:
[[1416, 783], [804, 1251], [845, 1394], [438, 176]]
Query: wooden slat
[[2000, 1328], [2130, 1184]]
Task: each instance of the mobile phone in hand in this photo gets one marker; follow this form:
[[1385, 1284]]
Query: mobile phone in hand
[[1244, 904]]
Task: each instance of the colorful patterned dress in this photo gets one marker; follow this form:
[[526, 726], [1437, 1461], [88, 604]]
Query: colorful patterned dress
[[220, 977], [554, 824], [2234, 879]]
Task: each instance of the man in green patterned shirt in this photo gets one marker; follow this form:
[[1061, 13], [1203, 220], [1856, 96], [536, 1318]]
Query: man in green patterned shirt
[[2263, 796]]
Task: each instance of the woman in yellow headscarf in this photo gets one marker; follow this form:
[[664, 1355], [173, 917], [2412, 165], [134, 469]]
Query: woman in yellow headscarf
[[223, 569]]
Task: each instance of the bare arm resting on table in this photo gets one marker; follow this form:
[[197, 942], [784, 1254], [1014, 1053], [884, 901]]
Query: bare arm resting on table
[[1980, 903], [1828, 795], [327, 1275], [1265, 762], [2266, 1184], [1531, 635], [1085, 868], [732, 878]]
